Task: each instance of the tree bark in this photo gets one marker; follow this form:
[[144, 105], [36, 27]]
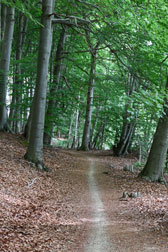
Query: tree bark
[[153, 170], [51, 113], [34, 150], [3, 19], [18, 81], [88, 117], [70, 130], [93, 127], [4, 65], [15, 115], [128, 127], [125, 139], [75, 138], [102, 135]]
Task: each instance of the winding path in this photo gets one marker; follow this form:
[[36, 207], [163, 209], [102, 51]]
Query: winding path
[[107, 225]]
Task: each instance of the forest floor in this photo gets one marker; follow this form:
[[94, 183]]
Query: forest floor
[[77, 206]]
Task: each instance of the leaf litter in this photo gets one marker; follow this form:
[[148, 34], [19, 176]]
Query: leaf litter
[[43, 211], [36, 212]]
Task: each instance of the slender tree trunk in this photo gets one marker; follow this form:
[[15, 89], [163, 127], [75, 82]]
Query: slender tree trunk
[[18, 81], [34, 150], [3, 19], [51, 110], [78, 140], [27, 125], [102, 135], [87, 125], [74, 145], [99, 135], [12, 105], [125, 139], [96, 138], [75, 138], [93, 127], [70, 131], [4, 65], [128, 127]]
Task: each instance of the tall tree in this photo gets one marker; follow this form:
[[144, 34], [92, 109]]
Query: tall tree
[[88, 116], [34, 150], [15, 106], [122, 146], [153, 170], [4, 65], [51, 110]]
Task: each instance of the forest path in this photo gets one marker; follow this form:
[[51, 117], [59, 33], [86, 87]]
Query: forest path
[[98, 240], [76, 207], [108, 229]]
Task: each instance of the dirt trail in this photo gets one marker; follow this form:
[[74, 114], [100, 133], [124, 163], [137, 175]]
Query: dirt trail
[[98, 240], [108, 229]]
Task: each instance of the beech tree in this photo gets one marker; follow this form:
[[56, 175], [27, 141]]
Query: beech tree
[[5, 63], [15, 111], [57, 68], [128, 127], [34, 150], [88, 117], [154, 168]]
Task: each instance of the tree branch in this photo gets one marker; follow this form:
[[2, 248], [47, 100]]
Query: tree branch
[[85, 51], [78, 66], [89, 4], [71, 20]]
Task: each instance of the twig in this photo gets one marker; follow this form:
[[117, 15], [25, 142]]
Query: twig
[[89, 4], [29, 184]]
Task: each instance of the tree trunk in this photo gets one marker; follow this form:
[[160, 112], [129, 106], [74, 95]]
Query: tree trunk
[[125, 139], [12, 105], [96, 138], [4, 65], [153, 170], [51, 110], [93, 127], [102, 135], [28, 126], [34, 150], [75, 137], [70, 131], [18, 81], [3, 19], [128, 127], [87, 125], [99, 135]]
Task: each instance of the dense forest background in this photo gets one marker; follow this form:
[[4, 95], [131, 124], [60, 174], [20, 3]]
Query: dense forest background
[[106, 63]]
